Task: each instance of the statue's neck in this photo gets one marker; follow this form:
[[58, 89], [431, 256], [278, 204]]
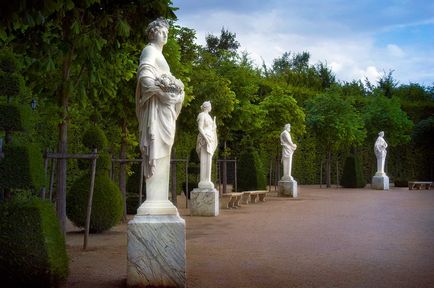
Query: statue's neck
[[157, 46]]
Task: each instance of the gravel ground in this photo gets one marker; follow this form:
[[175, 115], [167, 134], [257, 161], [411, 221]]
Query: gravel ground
[[325, 238]]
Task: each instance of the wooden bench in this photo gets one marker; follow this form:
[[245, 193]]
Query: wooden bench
[[419, 185], [230, 200]]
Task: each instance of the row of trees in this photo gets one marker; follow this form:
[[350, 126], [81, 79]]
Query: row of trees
[[79, 60]]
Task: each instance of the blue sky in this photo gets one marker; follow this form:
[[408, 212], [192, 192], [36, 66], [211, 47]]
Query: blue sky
[[357, 39]]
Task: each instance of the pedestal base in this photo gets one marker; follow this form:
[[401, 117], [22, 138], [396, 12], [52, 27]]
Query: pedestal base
[[288, 188], [204, 202], [156, 251], [380, 182]]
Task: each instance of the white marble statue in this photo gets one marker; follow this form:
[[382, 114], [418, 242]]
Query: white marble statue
[[159, 97], [288, 148], [206, 144], [380, 152]]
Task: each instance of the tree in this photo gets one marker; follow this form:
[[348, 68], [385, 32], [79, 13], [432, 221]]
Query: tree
[[72, 46], [335, 123]]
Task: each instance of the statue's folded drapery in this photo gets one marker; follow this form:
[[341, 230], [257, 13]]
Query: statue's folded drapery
[[157, 111]]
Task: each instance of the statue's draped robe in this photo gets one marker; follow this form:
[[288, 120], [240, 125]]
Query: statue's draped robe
[[156, 110], [208, 137], [380, 148], [288, 147]]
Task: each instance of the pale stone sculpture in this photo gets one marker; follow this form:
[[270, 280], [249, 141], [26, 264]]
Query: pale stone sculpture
[[206, 144], [287, 184], [380, 152], [159, 97], [380, 181], [205, 198], [288, 149], [156, 235]]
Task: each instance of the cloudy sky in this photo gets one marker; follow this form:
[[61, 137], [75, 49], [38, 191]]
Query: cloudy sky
[[356, 38]]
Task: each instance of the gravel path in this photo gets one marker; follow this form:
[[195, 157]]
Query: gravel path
[[326, 238]]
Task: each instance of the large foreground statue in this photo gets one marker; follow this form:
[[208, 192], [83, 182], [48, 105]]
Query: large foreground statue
[[156, 235], [159, 97], [206, 144]]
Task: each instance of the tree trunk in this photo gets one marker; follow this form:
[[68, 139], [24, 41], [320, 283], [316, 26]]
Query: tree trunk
[[328, 169], [63, 98], [61, 176], [225, 170], [123, 168]]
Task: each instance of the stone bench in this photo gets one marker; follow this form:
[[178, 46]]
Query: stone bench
[[230, 200], [254, 196], [419, 185]]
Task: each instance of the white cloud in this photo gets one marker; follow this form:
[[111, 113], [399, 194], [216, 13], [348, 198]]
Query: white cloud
[[351, 53], [395, 51]]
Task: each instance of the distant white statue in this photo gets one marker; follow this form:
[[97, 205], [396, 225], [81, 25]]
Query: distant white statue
[[288, 148], [159, 97], [206, 144], [380, 152]]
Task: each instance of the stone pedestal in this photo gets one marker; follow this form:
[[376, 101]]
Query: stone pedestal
[[156, 251], [288, 188], [380, 182], [204, 202]]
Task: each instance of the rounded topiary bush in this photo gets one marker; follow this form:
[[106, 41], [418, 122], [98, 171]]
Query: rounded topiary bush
[[352, 176], [94, 138], [107, 207], [33, 252], [250, 170]]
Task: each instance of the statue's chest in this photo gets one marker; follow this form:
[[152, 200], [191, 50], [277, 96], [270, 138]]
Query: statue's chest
[[162, 64]]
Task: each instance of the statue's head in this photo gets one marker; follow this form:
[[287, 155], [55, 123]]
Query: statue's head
[[381, 134], [155, 26], [288, 127], [206, 106]]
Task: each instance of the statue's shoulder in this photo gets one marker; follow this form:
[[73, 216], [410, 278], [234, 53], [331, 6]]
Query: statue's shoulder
[[149, 54]]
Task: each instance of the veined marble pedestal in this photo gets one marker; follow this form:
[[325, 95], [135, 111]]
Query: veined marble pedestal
[[288, 188], [156, 251], [204, 202], [380, 181]]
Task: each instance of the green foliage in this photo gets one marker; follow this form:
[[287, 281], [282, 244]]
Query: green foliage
[[352, 176], [33, 252], [334, 121], [107, 202], [384, 114], [94, 138], [22, 167], [9, 85], [14, 117], [250, 171], [423, 133]]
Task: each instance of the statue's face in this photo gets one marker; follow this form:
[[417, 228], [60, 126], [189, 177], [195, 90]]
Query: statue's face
[[161, 36]]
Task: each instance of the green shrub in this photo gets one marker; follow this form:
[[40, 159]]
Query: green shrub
[[133, 186], [103, 163], [250, 170], [9, 85], [352, 176], [107, 205], [94, 138], [14, 117], [33, 252], [22, 167]]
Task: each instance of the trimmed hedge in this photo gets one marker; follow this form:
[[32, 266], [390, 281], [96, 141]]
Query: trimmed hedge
[[14, 117], [250, 170], [352, 176], [22, 167], [107, 205], [33, 252], [94, 137]]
